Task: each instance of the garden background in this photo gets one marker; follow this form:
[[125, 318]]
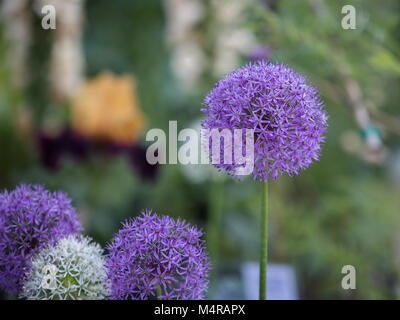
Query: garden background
[[161, 58]]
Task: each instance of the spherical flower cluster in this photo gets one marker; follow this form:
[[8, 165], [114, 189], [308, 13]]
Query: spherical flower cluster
[[30, 218], [156, 257], [286, 114], [72, 269]]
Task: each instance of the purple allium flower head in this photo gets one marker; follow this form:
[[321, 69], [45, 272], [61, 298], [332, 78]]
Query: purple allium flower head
[[286, 114], [30, 218], [157, 257]]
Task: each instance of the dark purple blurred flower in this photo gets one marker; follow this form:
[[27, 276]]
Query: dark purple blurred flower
[[69, 143], [259, 53], [52, 148], [156, 257], [137, 158], [286, 113], [30, 218]]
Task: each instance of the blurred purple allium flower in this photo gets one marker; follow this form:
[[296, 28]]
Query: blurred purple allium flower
[[286, 113], [30, 218], [259, 53], [157, 257]]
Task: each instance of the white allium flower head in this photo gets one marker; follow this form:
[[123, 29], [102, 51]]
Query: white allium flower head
[[73, 269]]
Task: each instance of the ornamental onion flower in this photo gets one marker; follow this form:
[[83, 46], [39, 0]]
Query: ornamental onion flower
[[286, 113], [31, 217], [72, 269], [288, 120], [157, 257]]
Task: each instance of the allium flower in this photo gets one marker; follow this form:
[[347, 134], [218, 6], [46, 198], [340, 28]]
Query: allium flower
[[30, 218], [286, 113], [156, 257], [72, 269]]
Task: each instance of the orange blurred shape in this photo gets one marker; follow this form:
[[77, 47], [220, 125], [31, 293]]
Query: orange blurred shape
[[106, 108]]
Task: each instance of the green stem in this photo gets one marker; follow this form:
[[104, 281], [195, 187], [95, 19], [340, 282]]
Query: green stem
[[214, 222], [159, 293], [264, 241]]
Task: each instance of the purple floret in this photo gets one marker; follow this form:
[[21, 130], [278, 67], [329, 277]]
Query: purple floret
[[286, 113], [156, 257], [31, 217]]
